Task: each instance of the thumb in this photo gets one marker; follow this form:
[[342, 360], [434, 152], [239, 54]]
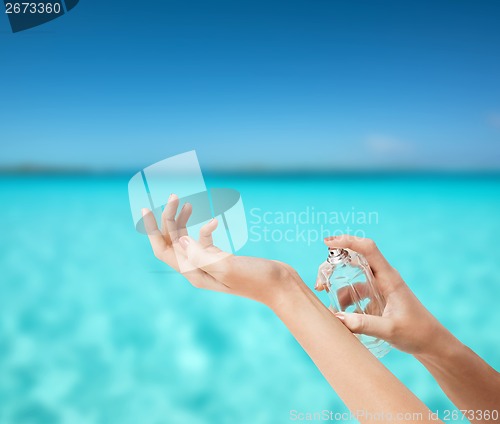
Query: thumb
[[206, 258], [370, 325]]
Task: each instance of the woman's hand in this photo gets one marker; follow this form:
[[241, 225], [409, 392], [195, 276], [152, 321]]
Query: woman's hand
[[278, 286], [206, 266], [405, 322]]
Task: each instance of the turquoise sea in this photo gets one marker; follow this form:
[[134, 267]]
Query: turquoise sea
[[93, 329]]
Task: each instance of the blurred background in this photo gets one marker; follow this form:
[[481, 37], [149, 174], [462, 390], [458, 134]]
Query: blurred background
[[388, 110]]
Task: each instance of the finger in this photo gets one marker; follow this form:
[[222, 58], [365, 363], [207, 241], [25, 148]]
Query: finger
[[183, 218], [323, 278], [366, 247], [155, 236], [348, 295], [321, 282], [345, 297], [211, 260], [320, 286], [370, 325], [206, 231], [169, 227]]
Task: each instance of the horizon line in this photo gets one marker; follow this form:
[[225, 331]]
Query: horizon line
[[37, 169]]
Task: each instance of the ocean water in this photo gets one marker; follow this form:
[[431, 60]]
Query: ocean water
[[93, 329]]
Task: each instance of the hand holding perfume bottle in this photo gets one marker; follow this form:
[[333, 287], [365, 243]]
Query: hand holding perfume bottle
[[349, 282]]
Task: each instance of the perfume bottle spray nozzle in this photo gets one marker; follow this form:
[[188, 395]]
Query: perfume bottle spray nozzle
[[337, 255]]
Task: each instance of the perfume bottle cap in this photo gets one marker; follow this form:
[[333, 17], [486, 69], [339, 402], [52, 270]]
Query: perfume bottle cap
[[336, 256]]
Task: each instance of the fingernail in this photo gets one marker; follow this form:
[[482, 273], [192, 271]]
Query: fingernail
[[144, 211], [340, 315], [184, 242]]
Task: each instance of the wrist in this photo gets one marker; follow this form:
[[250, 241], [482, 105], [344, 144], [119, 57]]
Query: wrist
[[289, 287], [442, 348]]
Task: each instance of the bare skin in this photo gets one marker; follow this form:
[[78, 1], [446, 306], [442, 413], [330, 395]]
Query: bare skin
[[278, 286], [470, 383]]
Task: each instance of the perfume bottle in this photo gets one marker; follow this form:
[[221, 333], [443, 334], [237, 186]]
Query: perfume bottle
[[349, 282]]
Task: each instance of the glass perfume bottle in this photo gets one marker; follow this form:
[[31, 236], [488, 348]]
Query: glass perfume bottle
[[349, 282]]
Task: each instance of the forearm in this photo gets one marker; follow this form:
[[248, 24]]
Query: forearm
[[362, 382], [469, 382]]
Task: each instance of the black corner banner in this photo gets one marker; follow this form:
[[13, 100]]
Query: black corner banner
[[28, 14]]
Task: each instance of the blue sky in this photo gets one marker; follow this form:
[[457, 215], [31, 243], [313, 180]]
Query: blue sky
[[256, 84]]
